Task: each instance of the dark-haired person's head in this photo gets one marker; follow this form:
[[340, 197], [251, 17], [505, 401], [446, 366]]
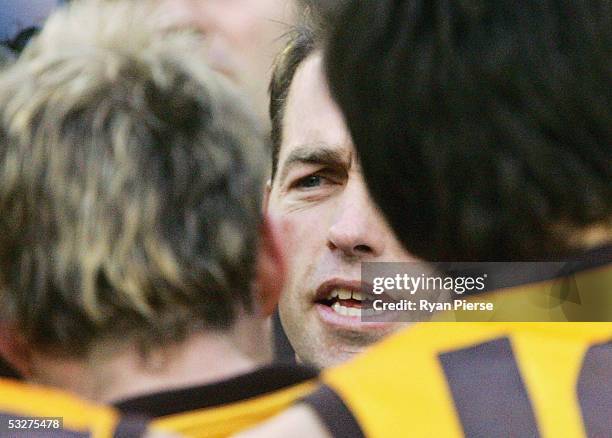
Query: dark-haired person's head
[[484, 127], [330, 224], [484, 132], [130, 190]]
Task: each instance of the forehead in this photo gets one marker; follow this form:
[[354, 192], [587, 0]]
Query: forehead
[[311, 116]]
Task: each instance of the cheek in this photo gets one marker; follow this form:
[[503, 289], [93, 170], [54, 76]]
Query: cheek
[[302, 235], [299, 233], [297, 248], [294, 235]]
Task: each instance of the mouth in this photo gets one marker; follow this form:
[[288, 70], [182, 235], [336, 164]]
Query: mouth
[[343, 304], [344, 301], [342, 297]]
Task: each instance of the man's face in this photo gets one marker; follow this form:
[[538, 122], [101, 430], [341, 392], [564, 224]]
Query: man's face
[[242, 37], [329, 225]]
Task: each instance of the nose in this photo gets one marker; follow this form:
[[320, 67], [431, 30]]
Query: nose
[[358, 229]]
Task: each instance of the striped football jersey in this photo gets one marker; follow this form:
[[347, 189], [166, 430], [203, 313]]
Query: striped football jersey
[[227, 407], [29, 411], [481, 379]]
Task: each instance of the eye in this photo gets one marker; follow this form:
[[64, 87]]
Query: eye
[[309, 182], [316, 182]]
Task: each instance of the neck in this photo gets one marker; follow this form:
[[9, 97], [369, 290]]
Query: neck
[[201, 359]]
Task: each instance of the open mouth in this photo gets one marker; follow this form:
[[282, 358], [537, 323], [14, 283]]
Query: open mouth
[[344, 302]]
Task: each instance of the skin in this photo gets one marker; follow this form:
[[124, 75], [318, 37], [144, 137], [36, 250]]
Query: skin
[[243, 37], [328, 224]]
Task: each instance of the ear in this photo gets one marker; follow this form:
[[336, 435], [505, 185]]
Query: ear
[[15, 350], [270, 268], [266, 197]]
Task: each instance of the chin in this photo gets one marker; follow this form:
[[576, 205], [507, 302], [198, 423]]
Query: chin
[[332, 360]]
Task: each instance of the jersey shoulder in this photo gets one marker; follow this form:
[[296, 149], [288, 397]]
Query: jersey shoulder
[[22, 402], [464, 379], [227, 407]]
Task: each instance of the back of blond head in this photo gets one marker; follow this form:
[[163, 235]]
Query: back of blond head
[[129, 184]]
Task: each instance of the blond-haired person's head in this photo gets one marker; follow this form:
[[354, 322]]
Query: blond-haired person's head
[[130, 181]]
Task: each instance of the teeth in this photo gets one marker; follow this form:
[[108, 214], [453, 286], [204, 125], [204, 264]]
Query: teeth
[[345, 311], [344, 294], [339, 309], [353, 311], [358, 296]]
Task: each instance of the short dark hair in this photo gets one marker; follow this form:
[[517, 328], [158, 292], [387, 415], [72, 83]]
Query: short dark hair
[[321, 15], [484, 127], [130, 185], [314, 20], [300, 45]]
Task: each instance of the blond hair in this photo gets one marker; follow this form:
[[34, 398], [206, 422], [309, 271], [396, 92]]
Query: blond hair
[[129, 183]]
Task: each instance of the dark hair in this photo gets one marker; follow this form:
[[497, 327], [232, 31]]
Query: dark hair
[[130, 185], [484, 127], [320, 15], [300, 45], [314, 19]]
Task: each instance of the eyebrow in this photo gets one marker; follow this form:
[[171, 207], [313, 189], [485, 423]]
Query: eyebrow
[[319, 153]]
